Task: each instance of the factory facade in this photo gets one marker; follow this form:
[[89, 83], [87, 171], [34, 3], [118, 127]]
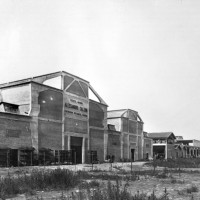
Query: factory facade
[[54, 111]]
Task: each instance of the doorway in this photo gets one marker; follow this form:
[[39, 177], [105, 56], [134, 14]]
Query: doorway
[[76, 147], [14, 157], [132, 154]]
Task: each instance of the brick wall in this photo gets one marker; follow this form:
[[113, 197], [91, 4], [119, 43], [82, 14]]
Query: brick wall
[[97, 142], [170, 151], [132, 127], [51, 103], [75, 126], [139, 148], [14, 131], [125, 146], [49, 135], [96, 115], [147, 148], [114, 145]]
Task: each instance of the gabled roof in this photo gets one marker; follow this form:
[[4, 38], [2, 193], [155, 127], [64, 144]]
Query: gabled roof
[[184, 141], [161, 135], [116, 113], [42, 78], [127, 113], [39, 79]]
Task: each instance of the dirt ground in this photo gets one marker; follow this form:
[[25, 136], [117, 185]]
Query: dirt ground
[[145, 184]]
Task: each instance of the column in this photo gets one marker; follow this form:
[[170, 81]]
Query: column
[[83, 150], [69, 142], [166, 151], [122, 145], [128, 145], [105, 145]]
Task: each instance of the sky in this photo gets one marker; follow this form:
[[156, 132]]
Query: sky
[[137, 54]]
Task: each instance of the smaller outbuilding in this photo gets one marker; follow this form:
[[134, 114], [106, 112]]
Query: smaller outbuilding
[[163, 144]]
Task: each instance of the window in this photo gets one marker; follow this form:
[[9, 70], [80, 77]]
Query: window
[[72, 100], [68, 105], [147, 145], [83, 109]]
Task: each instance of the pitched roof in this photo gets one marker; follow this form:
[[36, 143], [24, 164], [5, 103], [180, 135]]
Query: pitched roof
[[127, 113], [39, 79], [161, 135], [116, 113]]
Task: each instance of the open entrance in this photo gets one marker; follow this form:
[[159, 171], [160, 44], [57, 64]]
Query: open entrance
[[159, 152], [147, 156], [76, 147], [132, 154], [14, 157]]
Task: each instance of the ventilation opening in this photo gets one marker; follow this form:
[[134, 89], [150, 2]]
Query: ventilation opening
[[92, 96], [54, 82]]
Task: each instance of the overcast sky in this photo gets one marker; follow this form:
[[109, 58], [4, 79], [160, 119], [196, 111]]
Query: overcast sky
[[137, 54]]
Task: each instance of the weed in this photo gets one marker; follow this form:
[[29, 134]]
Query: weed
[[174, 181], [38, 180], [191, 189]]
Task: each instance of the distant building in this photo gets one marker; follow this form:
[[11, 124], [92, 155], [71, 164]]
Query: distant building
[[191, 147], [147, 146], [129, 124], [163, 144]]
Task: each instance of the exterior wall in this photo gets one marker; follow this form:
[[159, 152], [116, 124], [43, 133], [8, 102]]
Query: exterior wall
[[170, 151], [114, 145], [51, 104], [97, 142], [131, 129], [56, 117], [140, 148], [46, 112], [126, 146], [148, 148], [133, 144], [50, 135], [20, 95], [97, 126], [196, 143], [15, 131], [75, 113]]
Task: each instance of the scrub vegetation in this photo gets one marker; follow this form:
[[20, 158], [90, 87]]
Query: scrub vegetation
[[114, 184]]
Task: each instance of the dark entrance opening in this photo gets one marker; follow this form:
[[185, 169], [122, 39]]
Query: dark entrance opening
[[132, 154], [76, 147], [159, 152], [14, 157]]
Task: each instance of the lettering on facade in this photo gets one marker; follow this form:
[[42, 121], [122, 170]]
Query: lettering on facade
[[78, 110], [13, 133]]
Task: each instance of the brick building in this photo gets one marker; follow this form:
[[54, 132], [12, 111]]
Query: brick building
[[147, 147], [190, 148], [52, 111], [163, 144], [130, 125]]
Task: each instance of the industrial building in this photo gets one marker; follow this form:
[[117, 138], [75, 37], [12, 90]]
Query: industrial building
[[163, 144], [54, 112], [187, 148], [167, 145], [133, 146], [52, 118]]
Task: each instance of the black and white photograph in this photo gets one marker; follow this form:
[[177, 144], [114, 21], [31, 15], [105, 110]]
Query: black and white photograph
[[99, 99]]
